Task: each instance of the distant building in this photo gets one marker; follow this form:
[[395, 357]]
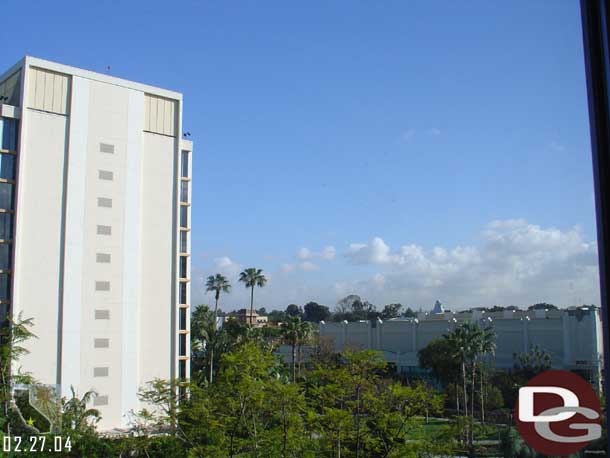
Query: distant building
[[572, 337], [244, 316], [438, 308]]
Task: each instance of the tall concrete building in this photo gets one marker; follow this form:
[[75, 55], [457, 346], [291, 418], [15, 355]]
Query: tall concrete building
[[95, 186]]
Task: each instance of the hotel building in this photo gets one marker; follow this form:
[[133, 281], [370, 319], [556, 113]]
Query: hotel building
[[95, 187]]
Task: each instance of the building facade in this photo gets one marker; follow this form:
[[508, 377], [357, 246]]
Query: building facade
[[252, 318], [572, 336], [95, 187]]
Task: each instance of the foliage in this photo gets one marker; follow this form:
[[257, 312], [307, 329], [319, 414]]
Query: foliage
[[436, 356], [533, 362], [542, 306], [294, 310], [354, 308], [314, 312]]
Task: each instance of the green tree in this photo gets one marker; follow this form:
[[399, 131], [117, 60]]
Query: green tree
[[13, 334], [391, 311], [77, 416], [533, 362], [314, 312], [486, 345], [202, 332], [291, 332], [294, 310], [437, 356], [252, 277], [216, 284]]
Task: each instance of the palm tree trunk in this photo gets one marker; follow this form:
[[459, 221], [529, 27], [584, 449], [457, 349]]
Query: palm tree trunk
[[251, 305], [213, 338], [464, 387], [472, 385], [482, 398], [294, 362]]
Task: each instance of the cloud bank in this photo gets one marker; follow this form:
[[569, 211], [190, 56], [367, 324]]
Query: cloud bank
[[514, 263]]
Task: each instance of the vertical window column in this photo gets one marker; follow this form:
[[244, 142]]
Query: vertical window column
[[184, 204], [8, 159]]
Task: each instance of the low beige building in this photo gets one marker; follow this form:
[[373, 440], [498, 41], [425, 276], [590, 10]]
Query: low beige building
[[571, 336], [252, 318]]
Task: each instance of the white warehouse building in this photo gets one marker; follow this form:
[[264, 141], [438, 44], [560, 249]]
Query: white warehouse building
[[571, 336], [94, 230]]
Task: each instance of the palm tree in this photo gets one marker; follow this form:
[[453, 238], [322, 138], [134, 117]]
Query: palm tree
[[252, 277], [76, 414], [487, 346], [305, 332], [216, 284], [465, 341], [291, 329]]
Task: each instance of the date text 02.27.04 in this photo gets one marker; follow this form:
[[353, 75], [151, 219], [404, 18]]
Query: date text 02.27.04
[[35, 444]]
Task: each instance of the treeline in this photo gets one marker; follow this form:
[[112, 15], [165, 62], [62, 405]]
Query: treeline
[[354, 308]]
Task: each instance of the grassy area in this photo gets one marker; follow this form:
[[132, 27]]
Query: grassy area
[[436, 426]]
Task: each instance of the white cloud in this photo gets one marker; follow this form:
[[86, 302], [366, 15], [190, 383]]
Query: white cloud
[[304, 253], [434, 132], [328, 253], [375, 252], [226, 266], [517, 263], [308, 266], [514, 262]]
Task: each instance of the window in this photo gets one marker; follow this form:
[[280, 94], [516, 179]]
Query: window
[[6, 196], [8, 134], [101, 343], [183, 293], [106, 148], [5, 256], [182, 345], [100, 401], [104, 230], [5, 287], [104, 202], [102, 286], [102, 257], [184, 191], [100, 372], [183, 240], [7, 166], [182, 369], [6, 226], [105, 175], [183, 319], [102, 314], [184, 161], [183, 267], [184, 222]]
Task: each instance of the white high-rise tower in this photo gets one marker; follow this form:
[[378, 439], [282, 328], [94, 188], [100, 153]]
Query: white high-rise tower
[[94, 230]]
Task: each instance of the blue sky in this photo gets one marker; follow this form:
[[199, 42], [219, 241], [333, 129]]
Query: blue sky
[[416, 150]]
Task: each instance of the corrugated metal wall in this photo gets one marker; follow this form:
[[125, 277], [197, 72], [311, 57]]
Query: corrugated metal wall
[[49, 91], [159, 115]]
